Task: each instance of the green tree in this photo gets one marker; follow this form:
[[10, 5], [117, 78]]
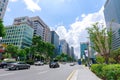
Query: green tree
[[49, 49], [11, 49], [116, 55], [102, 40], [2, 29], [22, 54]]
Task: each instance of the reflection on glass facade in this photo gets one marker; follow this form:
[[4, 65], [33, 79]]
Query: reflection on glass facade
[[112, 11], [55, 41], [112, 18], [19, 35], [3, 5], [83, 47]]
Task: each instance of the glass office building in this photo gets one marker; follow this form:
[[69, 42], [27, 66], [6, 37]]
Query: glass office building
[[55, 42], [112, 11], [3, 6], [112, 18], [19, 35]]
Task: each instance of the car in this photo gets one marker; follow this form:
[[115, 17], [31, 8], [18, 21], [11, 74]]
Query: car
[[38, 63], [18, 65], [54, 64], [72, 64], [4, 64]]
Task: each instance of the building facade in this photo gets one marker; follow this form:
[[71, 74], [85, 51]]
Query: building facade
[[19, 35], [72, 52], [112, 18], [112, 12], [38, 26], [63, 44], [83, 47], [3, 6], [55, 42]]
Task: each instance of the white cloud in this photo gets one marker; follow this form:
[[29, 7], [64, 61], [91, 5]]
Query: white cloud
[[8, 9], [77, 32], [32, 5], [13, 0], [83, 15]]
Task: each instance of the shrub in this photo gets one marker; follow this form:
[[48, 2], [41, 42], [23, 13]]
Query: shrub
[[100, 59], [112, 61], [97, 69], [31, 62], [111, 72], [107, 72]]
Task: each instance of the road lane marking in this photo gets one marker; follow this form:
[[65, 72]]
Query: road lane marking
[[71, 75], [6, 74], [43, 72]]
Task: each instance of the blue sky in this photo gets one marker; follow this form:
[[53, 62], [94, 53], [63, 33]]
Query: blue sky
[[67, 17]]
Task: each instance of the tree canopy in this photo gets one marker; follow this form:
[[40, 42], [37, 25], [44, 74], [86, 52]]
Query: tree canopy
[[2, 29], [101, 39]]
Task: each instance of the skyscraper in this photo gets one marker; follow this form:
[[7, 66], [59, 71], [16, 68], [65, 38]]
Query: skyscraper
[[37, 26], [111, 11], [72, 52], [3, 6], [55, 42], [63, 44], [83, 47], [40, 28], [112, 16]]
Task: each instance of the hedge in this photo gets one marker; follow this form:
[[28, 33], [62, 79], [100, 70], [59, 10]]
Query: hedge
[[107, 72]]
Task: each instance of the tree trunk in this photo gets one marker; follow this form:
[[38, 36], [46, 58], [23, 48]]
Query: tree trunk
[[106, 56]]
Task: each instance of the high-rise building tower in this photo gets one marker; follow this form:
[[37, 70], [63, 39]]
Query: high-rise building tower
[[3, 6], [55, 42], [38, 26], [111, 11], [41, 29], [112, 16], [72, 52], [63, 44], [83, 47]]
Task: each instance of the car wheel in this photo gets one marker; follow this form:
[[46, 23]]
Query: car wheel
[[28, 67], [4, 66], [17, 68]]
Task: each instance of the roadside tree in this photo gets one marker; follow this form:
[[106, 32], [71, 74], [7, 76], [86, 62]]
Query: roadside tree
[[102, 40]]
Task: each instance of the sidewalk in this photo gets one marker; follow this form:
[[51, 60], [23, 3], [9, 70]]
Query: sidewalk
[[84, 74]]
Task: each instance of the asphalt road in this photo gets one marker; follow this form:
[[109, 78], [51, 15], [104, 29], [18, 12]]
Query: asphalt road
[[39, 73]]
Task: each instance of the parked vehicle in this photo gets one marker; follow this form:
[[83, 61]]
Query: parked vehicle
[[54, 64], [38, 63], [18, 65]]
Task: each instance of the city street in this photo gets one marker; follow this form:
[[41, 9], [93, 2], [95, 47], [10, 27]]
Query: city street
[[39, 73]]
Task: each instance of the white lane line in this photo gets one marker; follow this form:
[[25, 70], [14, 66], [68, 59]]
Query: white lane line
[[1, 75], [43, 72]]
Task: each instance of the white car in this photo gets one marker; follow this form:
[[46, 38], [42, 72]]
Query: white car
[[38, 63]]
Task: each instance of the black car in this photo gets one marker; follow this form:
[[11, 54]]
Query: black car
[[4, 64], [54, 64], [18, 65]]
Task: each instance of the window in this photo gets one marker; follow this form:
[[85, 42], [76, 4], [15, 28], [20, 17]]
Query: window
[[4, 1]]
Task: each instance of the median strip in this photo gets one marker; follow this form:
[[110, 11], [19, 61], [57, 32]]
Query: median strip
[[71, 75]]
